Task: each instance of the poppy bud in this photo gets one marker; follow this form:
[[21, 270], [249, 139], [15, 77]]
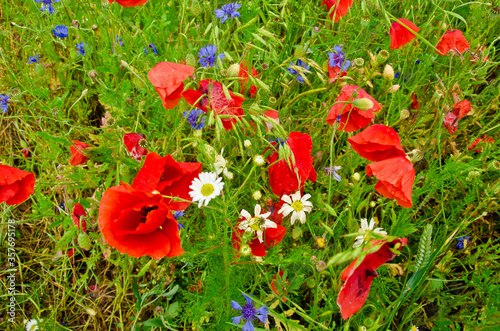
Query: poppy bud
[[363, 104], [404, 114], [358, 62], [196, 8], [233, 70], [39, 70], [190, 60], [388, 72], [416, 155], [393, 89], [84, 241], [443, 25], [382, 56], [474, 174]]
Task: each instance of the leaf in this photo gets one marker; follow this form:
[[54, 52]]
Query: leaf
[[144, 269]]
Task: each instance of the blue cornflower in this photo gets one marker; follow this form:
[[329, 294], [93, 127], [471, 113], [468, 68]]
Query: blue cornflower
[[332, 171], [337, 59], [4, 100], [302, 64], [417, 62], [153, 48], [249, 313], [61, 207], [397, 75], [60, 31], [462, 242], [194, 118], [119, 40], [47, 4], [208, 56], [80, 49], [227, 10], [33, 59], [177, 215]]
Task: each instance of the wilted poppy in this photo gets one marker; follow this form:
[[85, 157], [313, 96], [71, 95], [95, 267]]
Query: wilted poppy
[[167, 78], [169, 177], [352, 118], [129, 3], [15, 185], [243, 74], [341, 8], [279, 287], [452, 40], [377, 142], [77, 157], [414, 102], [138, 223], [216, 99], [461, 109], [133, 143], [77, 216], [483, 139], [400, 35], [396, 176], [284, 179], [358, 279], [450, 122]]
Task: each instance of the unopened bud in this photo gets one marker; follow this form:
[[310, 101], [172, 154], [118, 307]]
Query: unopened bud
[[393, 89], [247, 143], [474, 174], [196, 8], [233, 70], [84, 241], [356, 177], [259, 160], [92, 74], [438, 94], [373, 204], [256, 195], [404, 114], [416, 155], [94, 27], [388, 72], [363, 104], [190, 60]]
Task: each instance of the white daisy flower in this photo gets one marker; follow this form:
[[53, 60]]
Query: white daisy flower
[[296, 204], [32, 325], [414, 328], [365, 229], [206, 187], [257, 223]]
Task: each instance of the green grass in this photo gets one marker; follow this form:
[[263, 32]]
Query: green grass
[[440, 287]]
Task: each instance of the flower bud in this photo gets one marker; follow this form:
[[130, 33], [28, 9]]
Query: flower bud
[[196, 8], [233, 70], [190, 60], [94, 27], [247, 143], [393, 89], [92, 74], [416, 155], [474, 174], [363, 104], [404, 114], [372, 204], [259, 160], [356, 177], [84, 241], [382, 56], [256, 195], [388, 72], [299, 52]]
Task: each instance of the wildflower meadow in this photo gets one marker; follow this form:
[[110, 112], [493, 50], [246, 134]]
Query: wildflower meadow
[[249, 165]]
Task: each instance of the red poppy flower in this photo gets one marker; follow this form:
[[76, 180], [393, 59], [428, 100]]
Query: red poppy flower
[[414, 102], [169, 177], [271, 236], [243, 74], [341, 8], [461, 109], [377, 142], [450, 122], [352, 118], [131, 141], [15, 185], [26, 152], [334, 73], [138, 223], [396, 176], [167, 78], [400, 35], [282, 288], [217, 101], [452, 40], [77, 217], [282, 178], [77, 157], [484, 139], [271, 114], [129, 3], [358, 279]]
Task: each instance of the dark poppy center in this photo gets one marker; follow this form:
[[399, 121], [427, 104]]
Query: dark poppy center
[[145, 211]]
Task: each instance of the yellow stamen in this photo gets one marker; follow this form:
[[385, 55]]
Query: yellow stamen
[[207, 189], [297, 206]]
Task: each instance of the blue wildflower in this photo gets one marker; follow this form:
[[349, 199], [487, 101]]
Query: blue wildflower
[[332, 171], [33, 59], [462, 242], [194, 118], [61, 207], [80, 49], [153, 48], [227, 10], [4, 100], [417, 62], [294, 72], [47, 4], [208, 56], [60, 31], [119, 40], [397, 75], [337, 59], [249, 313], [177, 215]]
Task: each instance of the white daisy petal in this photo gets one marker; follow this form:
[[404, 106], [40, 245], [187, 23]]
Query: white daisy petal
[[245, 214], [287, 199]]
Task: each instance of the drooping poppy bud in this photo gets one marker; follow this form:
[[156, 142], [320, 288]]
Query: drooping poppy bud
[[400, 35]]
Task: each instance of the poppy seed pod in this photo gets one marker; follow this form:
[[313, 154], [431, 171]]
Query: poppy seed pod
[[388, 72], [365, 21], [382, 56], [358, 62], [363, 104]]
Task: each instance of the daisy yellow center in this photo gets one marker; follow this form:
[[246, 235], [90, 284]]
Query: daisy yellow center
[[207, 189], [256, 223], [297, 206]]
